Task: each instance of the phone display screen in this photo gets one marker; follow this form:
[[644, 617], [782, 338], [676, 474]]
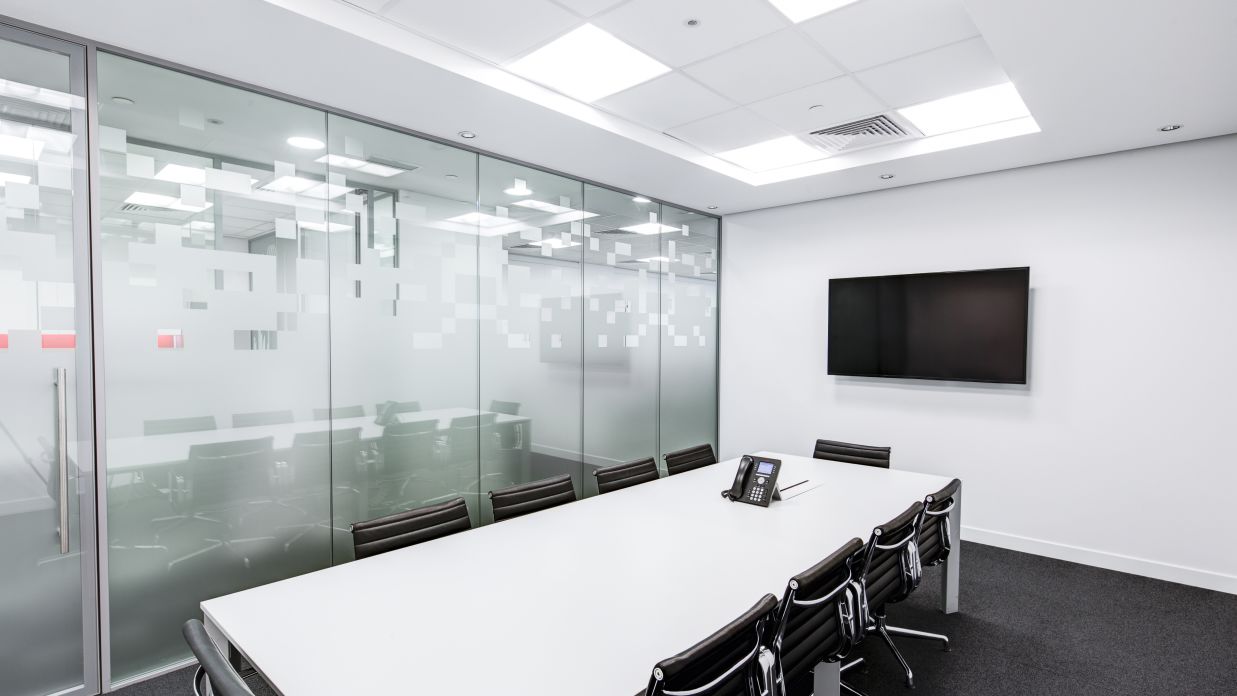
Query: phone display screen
[[764, 468]]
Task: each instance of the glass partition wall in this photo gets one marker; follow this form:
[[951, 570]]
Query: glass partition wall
[[310, 320]]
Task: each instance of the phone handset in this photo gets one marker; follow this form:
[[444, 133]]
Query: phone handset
[[740, 479], [755, 481]]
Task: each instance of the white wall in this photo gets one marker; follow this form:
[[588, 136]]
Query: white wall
[[1122, 450]]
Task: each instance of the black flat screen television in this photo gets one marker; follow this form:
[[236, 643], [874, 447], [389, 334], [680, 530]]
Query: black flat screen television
[[966, 325]]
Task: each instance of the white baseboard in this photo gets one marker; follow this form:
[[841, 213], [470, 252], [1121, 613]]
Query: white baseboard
[[1103, 559]]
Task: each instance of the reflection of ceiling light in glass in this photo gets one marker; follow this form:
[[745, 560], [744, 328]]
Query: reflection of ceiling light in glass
[[480, 219], [640, 199], [967, 110], [20, 148], [359, 165], [308, 187], [324, 226], [157, 200], [649, 228], [305, 143], [555, 243], [655, 259], [588, 63], [182, 174], [799, 10], [519, 188], [7, 178], [201, 225], [551, 208], [773, 154], [40, 95]]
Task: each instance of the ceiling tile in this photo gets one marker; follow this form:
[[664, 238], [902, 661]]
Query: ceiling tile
[[665, 102], [727, 131], [659, 27], [840, 100], [954, 69], [770, 65], [588, 8], [873, 32], [495, 31]]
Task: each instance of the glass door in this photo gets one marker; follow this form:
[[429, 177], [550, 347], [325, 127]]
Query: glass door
[[49, 643]]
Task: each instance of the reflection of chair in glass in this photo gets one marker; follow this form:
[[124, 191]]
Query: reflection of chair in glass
[[410, 527], [407, 455], [511, 408], [339, 412], [514, 501], [613, 478], [399, 406], [178, 425], [690, 458], [322, 480], [245, 420]]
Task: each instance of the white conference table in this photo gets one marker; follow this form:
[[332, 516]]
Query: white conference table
[[580, 599], [149, 451]]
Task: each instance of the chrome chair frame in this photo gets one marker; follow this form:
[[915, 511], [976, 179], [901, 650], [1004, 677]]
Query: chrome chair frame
[[912, 571]]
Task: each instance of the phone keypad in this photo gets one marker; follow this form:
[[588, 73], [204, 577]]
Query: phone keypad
[[757, 493]]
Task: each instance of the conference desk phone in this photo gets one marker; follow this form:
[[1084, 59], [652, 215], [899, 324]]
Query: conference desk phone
[[755, 482]]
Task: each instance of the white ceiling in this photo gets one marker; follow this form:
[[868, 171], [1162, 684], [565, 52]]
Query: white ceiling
[[1098, 76]]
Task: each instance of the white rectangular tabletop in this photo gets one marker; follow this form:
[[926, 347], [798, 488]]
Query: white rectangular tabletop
[[580, 599], [139, 452]]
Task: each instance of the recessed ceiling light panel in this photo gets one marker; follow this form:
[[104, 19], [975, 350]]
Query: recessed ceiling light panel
[[773, 154], [519, 187], [305, 142], [588, 63], [799, 10], [649, 228], [979, 107]]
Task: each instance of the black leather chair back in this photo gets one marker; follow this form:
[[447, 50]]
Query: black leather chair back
[[852, 454], [524, 498], [891, 566], [409, 527], [818, 617], [726, 663], [935, 537], [612, 478], [214, 675], [178, 425], [689, 458], [223, 474], [246, 420], [339, 412]]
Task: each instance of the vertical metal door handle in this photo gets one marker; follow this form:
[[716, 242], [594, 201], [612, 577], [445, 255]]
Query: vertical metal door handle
[[62, 452]]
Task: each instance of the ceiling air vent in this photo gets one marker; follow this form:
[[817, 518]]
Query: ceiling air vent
[[861, 134]]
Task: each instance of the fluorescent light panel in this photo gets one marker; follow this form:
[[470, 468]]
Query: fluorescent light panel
[[588, 63], [551, 208], [773, 154], [181, 174], [649, 228], [979, 107], [7, 178], [13, 147], [799, 10], [555, 243], [301, 185], [359, 165], [655, 259], [158, 200], [480, 219]]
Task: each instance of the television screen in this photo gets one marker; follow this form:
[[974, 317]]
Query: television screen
[[967, 325]]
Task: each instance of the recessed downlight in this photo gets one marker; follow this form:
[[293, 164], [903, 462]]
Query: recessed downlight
[[886, 176], [692, 22], [712, 207], [467, 134], [1171, 127], [305, 142], [123, 101]]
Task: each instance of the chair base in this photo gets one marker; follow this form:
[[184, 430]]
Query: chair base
[[921, 635]]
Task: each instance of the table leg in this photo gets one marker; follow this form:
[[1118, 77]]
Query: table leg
[[950, 578], [827, 679]]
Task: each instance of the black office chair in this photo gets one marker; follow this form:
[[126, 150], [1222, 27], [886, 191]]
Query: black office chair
[[524, 498], [339, 412], [166, 426], [612, 478], [818, 620], [245, 420], [934, 539], [689, 459], [410, 527], [852, 454], [734, 661], [891, 572], [511, 408], [214, 675]]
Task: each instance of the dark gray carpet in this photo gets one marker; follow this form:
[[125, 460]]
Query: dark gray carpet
[[1029, 626]]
